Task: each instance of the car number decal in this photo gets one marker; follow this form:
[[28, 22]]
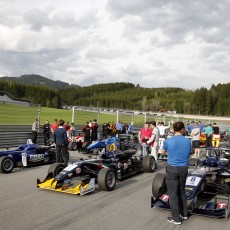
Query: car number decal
[[192, 180]]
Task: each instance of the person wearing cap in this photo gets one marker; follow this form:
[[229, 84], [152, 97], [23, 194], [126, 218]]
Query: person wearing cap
[[178, 149]]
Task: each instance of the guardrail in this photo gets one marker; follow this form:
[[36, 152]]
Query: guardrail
[[16, 135]]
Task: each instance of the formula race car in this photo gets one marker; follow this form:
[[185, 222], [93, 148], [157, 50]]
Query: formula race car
[[106, 169], [207, 186], [26, 155], [76, 143], [97, 146]]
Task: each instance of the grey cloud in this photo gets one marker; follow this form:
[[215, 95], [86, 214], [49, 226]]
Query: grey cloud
[[176, 19], [36, 18]]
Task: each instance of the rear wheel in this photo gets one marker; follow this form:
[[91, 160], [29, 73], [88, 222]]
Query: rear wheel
[[73, 146], [148, 163], [106, 179], [159, 185], [6, 164], [55, 169]]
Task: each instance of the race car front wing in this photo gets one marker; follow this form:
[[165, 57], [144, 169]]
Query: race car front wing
[[76, 186]]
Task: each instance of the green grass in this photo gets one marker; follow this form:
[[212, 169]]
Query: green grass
[[16, 114]]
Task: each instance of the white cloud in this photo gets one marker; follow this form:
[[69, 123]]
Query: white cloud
[[148, 42]]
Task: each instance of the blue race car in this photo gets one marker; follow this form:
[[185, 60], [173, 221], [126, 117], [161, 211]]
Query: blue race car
[[98, 145], [26, 155], [207, 186]]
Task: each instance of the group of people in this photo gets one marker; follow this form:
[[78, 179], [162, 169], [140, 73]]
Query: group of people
[[212, 135], [112, 128], [90, 131], [59, 131]]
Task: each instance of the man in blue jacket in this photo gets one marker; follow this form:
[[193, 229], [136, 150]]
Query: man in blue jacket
[[61, 141], [178, 149]]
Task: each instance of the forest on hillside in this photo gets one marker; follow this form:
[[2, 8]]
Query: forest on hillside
[[203, 101]]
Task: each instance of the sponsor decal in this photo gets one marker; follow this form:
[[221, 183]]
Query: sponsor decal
[[83, 192], [78, 170], [37, 157], [89, 188], [221, 205], [164, 197]]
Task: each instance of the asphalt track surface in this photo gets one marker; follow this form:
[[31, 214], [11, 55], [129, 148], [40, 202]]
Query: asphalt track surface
[[23, 206]]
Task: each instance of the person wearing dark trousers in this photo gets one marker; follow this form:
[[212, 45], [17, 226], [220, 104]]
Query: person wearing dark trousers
[[178, 149], [94, 128], [46, 132], [35, 128], [61, 141]]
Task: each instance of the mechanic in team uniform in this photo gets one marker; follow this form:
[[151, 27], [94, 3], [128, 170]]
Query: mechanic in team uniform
[[154, 140], [178, 149], [61, 141]]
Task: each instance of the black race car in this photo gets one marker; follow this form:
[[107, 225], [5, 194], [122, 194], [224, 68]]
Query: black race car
[[107, 168], [207, 186]]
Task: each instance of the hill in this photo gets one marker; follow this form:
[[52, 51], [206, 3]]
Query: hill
[[37, 80]]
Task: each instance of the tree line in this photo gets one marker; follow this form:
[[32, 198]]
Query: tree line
[[203, 101]]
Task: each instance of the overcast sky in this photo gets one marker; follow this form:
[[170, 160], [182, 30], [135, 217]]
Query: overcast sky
[[154, 43]]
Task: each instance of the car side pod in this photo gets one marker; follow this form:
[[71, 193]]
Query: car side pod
[[79, 186]]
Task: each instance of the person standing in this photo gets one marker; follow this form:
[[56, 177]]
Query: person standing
[[86, 130], [72, 130], [61, 141], [216, 135], [208, 133], [178, 149], [154, 140], [46, 132], [35, 129], [94, 128], [54, 126], [145, 133], [195, 137]]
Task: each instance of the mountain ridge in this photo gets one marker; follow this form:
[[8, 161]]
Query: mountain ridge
[[35, 79]]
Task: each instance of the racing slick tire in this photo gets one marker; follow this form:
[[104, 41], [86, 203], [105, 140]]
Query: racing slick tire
[[159, 185], [52, 155], [106, 179], [193, 163], [148, 164], [55, 168], [73, 146], [6, 164]]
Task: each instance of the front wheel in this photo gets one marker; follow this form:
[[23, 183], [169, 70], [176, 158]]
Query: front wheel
[[55, 169], [6, 164], [148, 163], [106, 179], [73, 146], [159, 185]]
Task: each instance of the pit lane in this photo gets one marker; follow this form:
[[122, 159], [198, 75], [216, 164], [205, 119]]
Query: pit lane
[[25, 207]]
